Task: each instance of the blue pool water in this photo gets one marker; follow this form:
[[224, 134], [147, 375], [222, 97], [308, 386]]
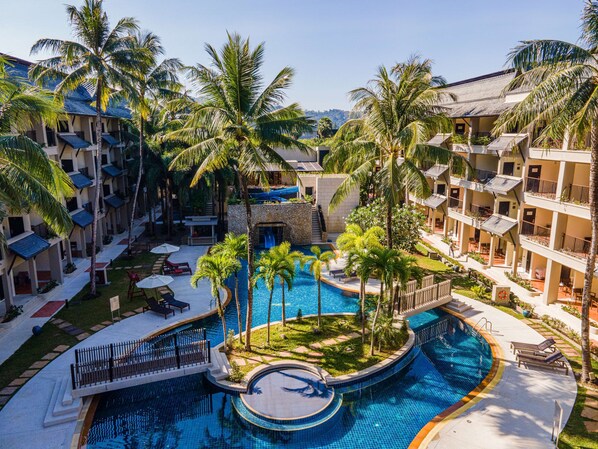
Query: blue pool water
[[189, 413]]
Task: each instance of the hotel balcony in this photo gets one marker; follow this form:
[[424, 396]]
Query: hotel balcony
[[574, 200], [477, 180], [535, 233], [541, 187]]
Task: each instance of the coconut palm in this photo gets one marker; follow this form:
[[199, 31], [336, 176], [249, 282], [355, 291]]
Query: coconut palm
[[315, 264], [286, 260], [151, 81], [239, 123], [99, 57], [355, 265], [28, 178], [270, 267], [398, 112], [217, 268], [355, 238], [563, 79], [235, 247]]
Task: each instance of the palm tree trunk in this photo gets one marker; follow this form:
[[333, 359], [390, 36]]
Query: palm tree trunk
[[250, 268], [139, 176], [238, 303], [96, 201], [269, 315], [284, 315], [389, 225], [586, 361], [319, 303], [376, 318], [222, 318], [362, 294]]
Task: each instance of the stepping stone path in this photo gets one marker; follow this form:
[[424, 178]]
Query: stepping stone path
[[590, 411]]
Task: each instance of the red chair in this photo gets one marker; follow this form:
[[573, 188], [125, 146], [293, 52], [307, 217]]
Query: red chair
[[176, 268]]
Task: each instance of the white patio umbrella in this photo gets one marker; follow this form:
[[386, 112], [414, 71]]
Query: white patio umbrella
[[165, 248], [154, 281]]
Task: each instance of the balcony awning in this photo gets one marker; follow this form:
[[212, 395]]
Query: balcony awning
[[305, 166], [29, 246], [505, 143], [435, 201], [80, 181], [439, 139], [111, 170], [502, 185], [74, 141], [110, 140], [114, 201], [498, 225], [436, 171], [82, 218]]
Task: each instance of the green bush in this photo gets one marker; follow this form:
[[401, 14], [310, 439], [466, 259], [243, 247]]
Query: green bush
[[236, 375], [480, 292]]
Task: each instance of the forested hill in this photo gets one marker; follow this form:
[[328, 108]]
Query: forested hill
[[337, 116]]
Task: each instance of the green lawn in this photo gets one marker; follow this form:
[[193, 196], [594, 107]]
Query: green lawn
[[337, 359], [431, 265]]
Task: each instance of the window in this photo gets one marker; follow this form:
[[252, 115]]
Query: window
[[63, 126], [460, 128], [71, 204], [309, 190], [504, 208], [104, 159], [508, 168], [16, 225], [107, 190], [67, 165], [441, 189]]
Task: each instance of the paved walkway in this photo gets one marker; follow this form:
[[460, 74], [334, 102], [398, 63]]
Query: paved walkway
[[21, 419], [498, 275], [518, 412]]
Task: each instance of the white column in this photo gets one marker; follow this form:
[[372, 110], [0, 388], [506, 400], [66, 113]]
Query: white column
[[33, 275], [55, 264]]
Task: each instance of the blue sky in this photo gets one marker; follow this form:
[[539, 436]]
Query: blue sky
[[334, 45]]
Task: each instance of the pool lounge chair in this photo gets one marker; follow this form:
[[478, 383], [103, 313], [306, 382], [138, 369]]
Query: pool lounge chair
[[553, 361], [175, 269], [344, 277], [175, 303], [156, 307], [178, 266], [546, 345], [335, 273]]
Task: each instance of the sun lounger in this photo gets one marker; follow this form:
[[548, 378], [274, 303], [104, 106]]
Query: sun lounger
[[335, 273], [553, 361], [172, 302], [184, 266], [546, 345], [156, 307], [344, 277]]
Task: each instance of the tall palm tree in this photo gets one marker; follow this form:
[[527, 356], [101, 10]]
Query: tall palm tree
[[355, 238], [100, 57], [239, 123], [235, 247], [563, 79], [151, 81], [398, 112], [269, 268], [315, 264], [28, 178], [355, 258], [217, 268], [285, 259]]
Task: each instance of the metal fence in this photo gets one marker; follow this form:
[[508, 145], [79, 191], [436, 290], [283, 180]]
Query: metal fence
[[116, 361], [433, 331]]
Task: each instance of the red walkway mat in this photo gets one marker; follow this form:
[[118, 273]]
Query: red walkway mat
[[48, 309], [124, 242]]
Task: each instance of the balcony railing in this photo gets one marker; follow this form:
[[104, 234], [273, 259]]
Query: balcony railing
[[539, 234], [541, 187], [455, 203], [576, 194], [80, 134], [43, 231], [479, 212], [576, 247]]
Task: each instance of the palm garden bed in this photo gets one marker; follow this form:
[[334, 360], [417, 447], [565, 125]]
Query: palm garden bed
[[337, 348]]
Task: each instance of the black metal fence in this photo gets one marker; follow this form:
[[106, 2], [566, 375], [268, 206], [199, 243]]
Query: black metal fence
[[116, 361]]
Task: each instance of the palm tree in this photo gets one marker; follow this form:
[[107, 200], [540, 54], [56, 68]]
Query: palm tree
[[28, 178], [315, 264], [100, 56], [285, 259], [239, 123], [563, 79], [271, 266], [355, 238], [235, 247], [151, 81], [398, 112], [355, 264], [217, 268]]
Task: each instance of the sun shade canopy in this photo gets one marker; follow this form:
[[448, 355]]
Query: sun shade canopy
[[74, 141], [82, 218], [502, 185], [506, 142], [436, 171], [29, 246], [498, 225], [110, 140], [111, 170], [80, 181], [439, 139], [435, 201], [114, 201]]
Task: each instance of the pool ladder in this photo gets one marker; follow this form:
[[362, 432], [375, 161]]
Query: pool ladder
[[483, 323]]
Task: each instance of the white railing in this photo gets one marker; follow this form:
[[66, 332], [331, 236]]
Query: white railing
[[417, 299], [432, 332]]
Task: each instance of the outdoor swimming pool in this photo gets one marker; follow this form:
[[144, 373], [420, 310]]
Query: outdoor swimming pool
[[190, 413]]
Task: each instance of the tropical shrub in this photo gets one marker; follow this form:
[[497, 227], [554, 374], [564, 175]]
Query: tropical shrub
[[236, 375]]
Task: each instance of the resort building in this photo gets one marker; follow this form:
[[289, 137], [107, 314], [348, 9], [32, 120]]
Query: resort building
[[517, 206], [34, 255]]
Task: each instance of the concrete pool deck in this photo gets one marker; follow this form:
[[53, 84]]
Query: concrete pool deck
[[22, 418], [518, 411]]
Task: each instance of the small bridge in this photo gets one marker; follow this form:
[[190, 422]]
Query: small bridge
[[413, 300], [121, 365]]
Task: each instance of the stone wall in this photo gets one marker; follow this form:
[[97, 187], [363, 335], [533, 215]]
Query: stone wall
[[296, 217]]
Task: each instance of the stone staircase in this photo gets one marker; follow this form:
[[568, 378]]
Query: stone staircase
[[63, 407], [316, 231], [220, 368], [458, 306]]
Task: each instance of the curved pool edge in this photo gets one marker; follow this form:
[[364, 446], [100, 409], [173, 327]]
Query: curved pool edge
[[87, 413], [435, 425]]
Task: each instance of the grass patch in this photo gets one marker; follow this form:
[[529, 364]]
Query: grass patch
[[425, 263], [337, 359]]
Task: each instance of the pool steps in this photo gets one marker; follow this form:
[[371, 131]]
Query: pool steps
[[63, 407], [457, 306]]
